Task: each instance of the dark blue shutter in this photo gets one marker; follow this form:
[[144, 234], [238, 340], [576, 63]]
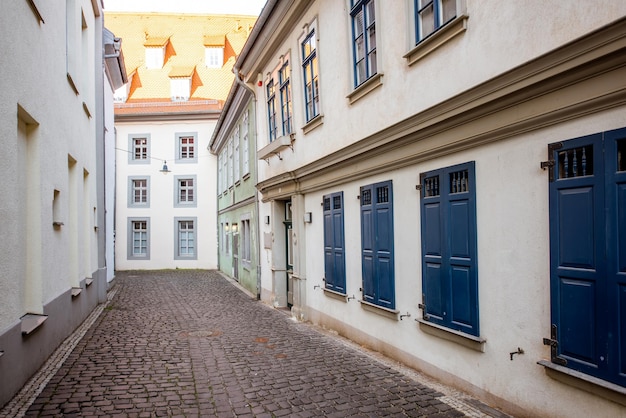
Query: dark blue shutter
[[334, 253], [377, 244], [587, 268], [449, 259], [615, 146]]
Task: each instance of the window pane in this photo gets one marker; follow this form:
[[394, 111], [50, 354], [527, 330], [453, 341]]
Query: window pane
[[448, 8], [427, 21]]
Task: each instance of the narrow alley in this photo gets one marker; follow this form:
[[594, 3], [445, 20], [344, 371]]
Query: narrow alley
[[190, 343]]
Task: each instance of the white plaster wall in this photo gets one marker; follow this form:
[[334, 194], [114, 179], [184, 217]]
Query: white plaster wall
[[500, 36], [513, 271], [162, 211], [109, 179], [34, 69]]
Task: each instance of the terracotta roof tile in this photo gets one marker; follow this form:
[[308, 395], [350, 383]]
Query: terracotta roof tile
[[185, 37]]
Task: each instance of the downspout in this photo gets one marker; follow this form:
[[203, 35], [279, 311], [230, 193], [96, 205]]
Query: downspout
[[241, 83]]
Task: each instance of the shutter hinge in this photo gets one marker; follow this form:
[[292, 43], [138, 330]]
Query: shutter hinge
[[422, 306], [551, 163], [554, 344]]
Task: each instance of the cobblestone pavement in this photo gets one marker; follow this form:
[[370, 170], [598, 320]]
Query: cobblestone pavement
[[190, 343]]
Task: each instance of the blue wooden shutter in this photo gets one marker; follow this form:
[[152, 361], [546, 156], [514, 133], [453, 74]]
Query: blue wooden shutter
[[368, 245], [449, 255], [577, 240], [377, 244], [334, 253], [615, 146]]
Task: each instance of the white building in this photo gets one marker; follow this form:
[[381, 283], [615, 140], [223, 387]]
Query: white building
[[52, 134], [443, 181], [179, 74]]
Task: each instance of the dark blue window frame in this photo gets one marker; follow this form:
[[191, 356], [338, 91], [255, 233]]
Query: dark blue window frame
[[334, 243], [587, 260], [377, 242], [271, 109], [309, 68], [449, 248], [363, 17], [432, 15]]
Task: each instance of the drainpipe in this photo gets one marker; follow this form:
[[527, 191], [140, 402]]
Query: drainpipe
[[240, 82]]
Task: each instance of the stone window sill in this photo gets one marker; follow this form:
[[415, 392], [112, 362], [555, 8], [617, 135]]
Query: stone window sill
[[437, 39], [31, 322], [276, 146], [372, 83], [313, 123], [466, 340], [336, 295], [379, 310], [76, 291], [582, 381]]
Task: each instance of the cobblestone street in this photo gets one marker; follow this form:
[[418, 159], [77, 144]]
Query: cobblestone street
[[190, 343]]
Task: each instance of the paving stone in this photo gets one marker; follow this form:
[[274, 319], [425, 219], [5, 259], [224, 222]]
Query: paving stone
[[190, 343]]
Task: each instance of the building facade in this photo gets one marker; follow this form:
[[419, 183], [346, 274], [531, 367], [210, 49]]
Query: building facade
[[179, 73], [52, 130], [233, 142], [443, 182]]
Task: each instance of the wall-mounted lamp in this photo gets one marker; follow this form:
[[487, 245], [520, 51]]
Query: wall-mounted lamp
[[164, 170], [308, 217], [227, 227], [267, 220], [235, 228]]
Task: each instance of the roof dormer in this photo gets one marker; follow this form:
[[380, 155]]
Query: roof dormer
[[155, 51]]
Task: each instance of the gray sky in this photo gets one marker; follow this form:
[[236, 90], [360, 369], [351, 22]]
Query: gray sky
[[240, 7]]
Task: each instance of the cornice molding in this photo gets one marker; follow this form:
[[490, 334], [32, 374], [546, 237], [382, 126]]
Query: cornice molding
[[583, 77]]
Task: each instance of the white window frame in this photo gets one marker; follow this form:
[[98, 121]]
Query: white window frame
[[132, 203], [132, 149], [182, 235], [181, 157], [145, 235], [155, 56], [236, 157], [179, 188], [311, 30], [180, 89], [246, 143], [214, 56]]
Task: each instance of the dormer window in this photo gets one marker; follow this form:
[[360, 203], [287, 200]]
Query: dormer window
[[180, 83], [214, 56], [121, 94], [214, 51], [180, 88], [155, 52]]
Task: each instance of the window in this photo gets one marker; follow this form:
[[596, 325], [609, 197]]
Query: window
[[271, 109], [449, 261], [226, 238], [214, 56], [139, 149], [186, 248], [155, 57], [246, 144], [285, 97], [310, 73], [246, 255], [237, 169], [138, 192], [225, 169], [139, 238], [334, 248], [186, 152], [377, 244], [587, 196], [121, 94], [220, 174], [180, 88], [230, 163], [363, 40], [185, 191], [431, 15]]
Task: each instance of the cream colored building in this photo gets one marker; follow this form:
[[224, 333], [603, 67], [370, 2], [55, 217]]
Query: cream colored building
[[179, 74], [53, 122], [449, 188]]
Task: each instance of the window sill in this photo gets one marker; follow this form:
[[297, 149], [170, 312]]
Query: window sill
[[313, 123], [466, 340], [336, 295], [379, 310], [372, 83], [437, 39], [31, 322], [33, 7], [246, 176], [582, 381], [88, 282], [276, 146], [76, 291], [72, 83]]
